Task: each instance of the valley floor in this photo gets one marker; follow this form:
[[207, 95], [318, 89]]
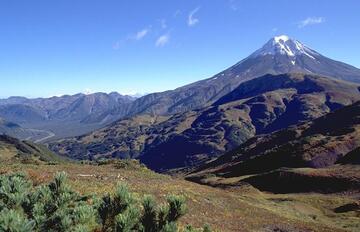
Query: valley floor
[[243, 208], [38, 139]]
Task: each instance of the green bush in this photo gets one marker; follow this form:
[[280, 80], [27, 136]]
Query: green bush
[[122, 163], [13, 190], [11, 220], [122, 213], [56, 207]]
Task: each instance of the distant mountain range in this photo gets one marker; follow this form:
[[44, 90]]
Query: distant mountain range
[[68, 115]]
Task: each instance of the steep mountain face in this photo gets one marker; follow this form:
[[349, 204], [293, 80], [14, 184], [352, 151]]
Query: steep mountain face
[[261, 105], [328, 140], [64, 116], [278, 56]]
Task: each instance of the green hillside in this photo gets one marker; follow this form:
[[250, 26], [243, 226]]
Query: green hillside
[[12, 149]]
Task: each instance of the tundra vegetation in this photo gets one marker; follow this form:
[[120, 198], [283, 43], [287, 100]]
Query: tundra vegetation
[[55, 206]]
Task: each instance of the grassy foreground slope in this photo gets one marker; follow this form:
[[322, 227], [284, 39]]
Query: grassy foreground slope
[[239, 209]]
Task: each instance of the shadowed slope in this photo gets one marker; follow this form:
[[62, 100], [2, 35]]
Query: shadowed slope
[[261, 105], [322, 143]]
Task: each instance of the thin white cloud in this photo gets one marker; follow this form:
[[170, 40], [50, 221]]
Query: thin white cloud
[[137, 36], [141, 34], [311, 21], [192, 21], [162, 40]]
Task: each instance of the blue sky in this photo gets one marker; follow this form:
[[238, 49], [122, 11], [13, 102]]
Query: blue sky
[[64, 47]]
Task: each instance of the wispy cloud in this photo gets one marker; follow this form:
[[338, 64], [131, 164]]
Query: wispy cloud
[[131, 37], [191, 17], [162, 40], [141, 34], [311, 21]]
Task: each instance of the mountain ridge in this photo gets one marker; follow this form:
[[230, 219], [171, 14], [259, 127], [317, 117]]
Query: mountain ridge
[[52, 114], [186, 139]]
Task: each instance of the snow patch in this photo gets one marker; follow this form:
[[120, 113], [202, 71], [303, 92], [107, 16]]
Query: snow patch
[[285, 46], [216, 77], [281, 37]]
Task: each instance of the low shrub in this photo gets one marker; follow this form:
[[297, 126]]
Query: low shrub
[[56, 207]]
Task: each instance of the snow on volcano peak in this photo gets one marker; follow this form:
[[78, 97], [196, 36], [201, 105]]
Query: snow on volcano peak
[[284, 45], [281, 37]]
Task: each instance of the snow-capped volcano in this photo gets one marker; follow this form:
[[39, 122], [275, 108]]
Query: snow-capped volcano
[[285, 46], [282, 54], [279, 55]]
